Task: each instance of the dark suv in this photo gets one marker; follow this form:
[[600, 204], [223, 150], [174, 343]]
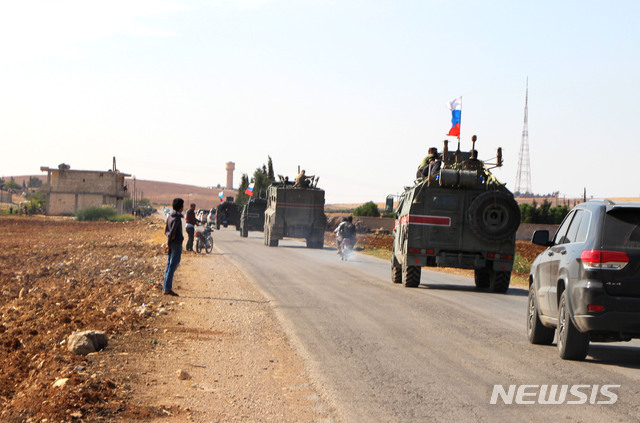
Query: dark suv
[[586, 285]]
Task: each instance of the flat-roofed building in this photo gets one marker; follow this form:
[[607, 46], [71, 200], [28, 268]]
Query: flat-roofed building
[[68, 191]]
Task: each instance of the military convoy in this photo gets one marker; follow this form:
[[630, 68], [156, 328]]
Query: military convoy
[[461, 217], [296, 213], [252, 217]]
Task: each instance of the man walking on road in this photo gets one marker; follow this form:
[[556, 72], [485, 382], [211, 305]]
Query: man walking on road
[[173, 231]]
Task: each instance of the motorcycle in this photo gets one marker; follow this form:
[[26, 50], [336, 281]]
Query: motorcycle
[[346, 249], [204, 240]]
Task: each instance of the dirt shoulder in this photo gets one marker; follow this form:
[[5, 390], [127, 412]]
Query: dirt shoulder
[[237, 363]]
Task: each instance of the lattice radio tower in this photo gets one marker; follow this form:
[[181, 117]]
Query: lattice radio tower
[[523, 178]]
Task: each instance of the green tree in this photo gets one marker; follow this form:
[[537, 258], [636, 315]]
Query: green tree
[[12, 184], [367, 209], [243, 198], [34, 182], [270, 174], [544, 211]]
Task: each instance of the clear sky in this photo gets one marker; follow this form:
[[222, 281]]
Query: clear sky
[[353, 91]]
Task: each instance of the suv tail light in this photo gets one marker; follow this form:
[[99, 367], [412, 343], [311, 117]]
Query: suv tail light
[[603, 259]]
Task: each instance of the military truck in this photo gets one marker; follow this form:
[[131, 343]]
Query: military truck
[[228, 214], [460, 216], [295, 213], [252, 217]]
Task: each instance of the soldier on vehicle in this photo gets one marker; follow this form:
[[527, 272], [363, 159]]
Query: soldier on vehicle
[[302, 181], [430, 165]]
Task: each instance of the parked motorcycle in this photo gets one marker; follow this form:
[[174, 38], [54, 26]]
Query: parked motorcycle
[[204, 240], [346, 249]]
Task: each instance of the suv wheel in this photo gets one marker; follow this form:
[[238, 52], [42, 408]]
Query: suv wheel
[[536, 331], [572, 344]]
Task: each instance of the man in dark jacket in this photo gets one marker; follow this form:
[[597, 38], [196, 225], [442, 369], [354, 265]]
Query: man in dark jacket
[[173, 231], [192, 221]]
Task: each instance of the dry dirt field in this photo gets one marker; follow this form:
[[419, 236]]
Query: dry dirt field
[[59, 276]]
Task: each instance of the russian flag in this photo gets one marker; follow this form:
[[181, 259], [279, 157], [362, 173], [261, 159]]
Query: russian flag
[[249, 190], [456, 113], [221, 195]]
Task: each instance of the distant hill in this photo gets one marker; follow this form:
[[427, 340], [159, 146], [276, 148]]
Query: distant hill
[[163, 193]]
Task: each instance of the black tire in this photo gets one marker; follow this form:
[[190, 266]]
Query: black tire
[[499, 281], [396, 274], [537, 332], [412, 276], [270, 241], [572, 344], [198, 246], [482, 278], [494, 216], [209, 245]]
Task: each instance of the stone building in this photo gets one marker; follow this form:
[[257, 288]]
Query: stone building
[[68, 191]]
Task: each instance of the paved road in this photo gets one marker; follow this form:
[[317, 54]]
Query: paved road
[[380, 352]]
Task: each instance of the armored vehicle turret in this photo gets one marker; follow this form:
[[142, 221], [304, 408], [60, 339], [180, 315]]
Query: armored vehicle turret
[[296, 213], [457, 214], [252, 218]]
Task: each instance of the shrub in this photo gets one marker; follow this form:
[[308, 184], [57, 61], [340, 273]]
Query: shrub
[[121, 218], [367, 209], [96, 213], [520, 264]]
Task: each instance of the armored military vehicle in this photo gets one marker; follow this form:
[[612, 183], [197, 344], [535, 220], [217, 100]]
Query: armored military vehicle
[[252, 218], [295, 213], [460, 216], [228, 214]]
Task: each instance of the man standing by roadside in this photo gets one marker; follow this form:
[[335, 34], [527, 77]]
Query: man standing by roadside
[[173, 231], [191, 222]]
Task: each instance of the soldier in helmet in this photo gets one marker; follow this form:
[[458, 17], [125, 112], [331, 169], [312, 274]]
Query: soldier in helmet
[[430, 165]]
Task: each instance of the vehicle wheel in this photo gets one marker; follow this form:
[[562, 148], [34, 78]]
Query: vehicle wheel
[[396, 274], [536, 331], [226, 225], [499, 281], [494, 216], [572, 344], [209, 246], [270, 241], [412, 276], [482, 278], [198, 246]]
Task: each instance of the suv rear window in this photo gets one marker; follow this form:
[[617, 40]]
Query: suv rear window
[[622, 228]]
